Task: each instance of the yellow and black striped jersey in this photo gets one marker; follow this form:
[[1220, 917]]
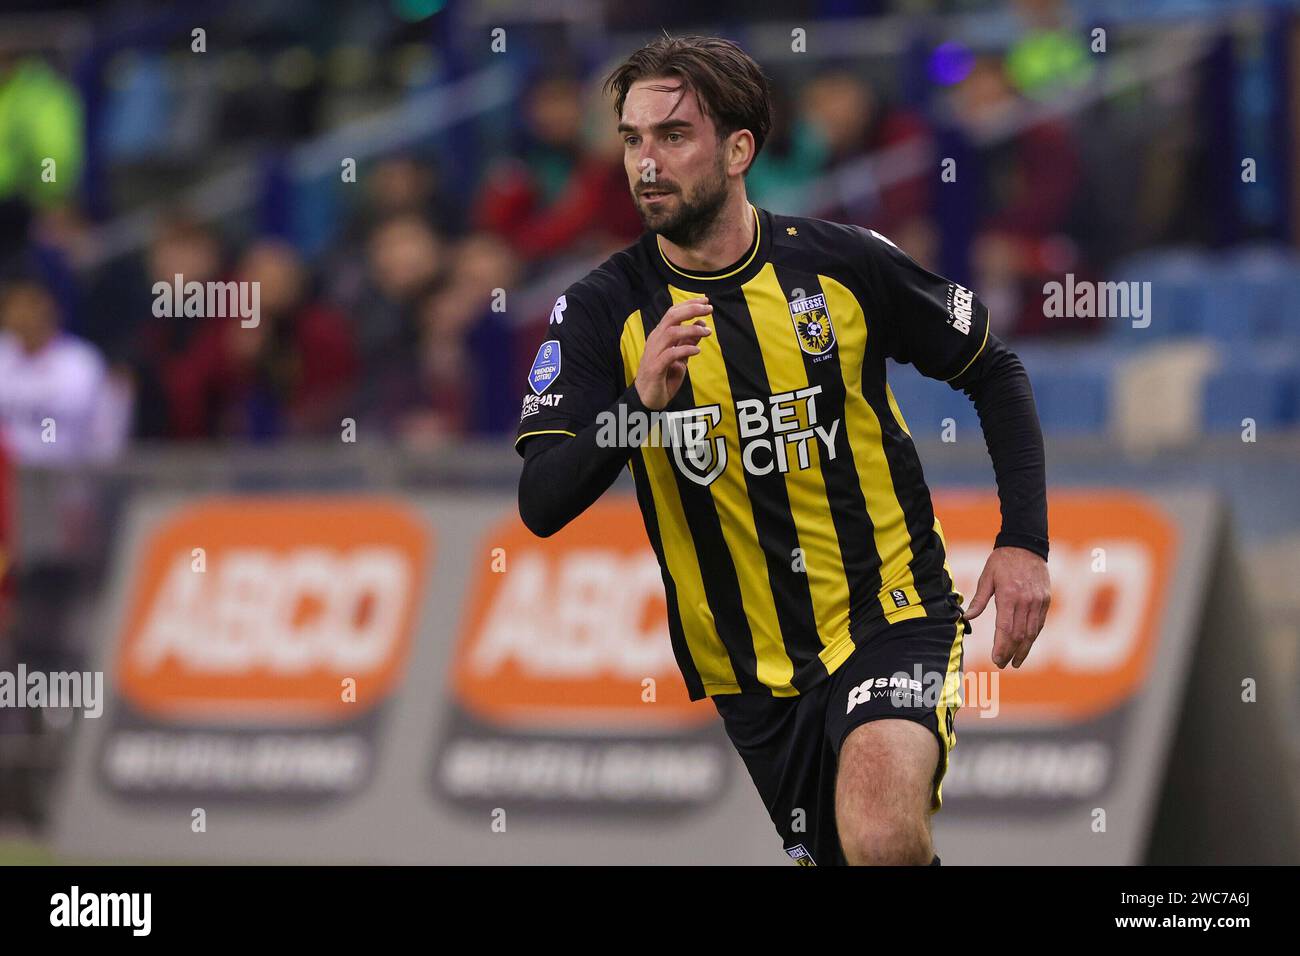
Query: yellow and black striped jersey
[[793, 521]]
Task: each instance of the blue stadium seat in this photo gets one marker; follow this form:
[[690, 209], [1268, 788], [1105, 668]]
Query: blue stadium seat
[[1177, 278], [1262, 384], [1272, 274], [1230, 303], [1249, 295], [1072, 382], [1073, 400], [925, 403]]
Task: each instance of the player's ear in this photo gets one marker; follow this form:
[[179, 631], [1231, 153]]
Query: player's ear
[[740, 151]]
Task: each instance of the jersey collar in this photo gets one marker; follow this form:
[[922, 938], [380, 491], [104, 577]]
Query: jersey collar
[[738, 273]]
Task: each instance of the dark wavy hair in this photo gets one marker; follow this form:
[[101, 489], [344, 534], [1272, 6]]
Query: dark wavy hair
[[729, 85]]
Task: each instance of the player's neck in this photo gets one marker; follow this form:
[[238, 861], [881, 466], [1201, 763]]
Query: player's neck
[[730, 238]]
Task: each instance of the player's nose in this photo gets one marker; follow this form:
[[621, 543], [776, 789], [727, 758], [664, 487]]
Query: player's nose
[[648, 165]]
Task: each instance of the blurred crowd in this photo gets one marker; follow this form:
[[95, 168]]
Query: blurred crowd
[[403, 324]]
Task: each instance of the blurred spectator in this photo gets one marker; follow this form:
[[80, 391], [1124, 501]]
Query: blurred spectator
[[291, 374], [1051, 56], [1031, 177], [848, 114], [59, 409], [41, 159], [558, 190], [404, 260], [148, 343], [58, 405], [404, 184], [464, 349], [40, 122], [1028, 185], [397, 186], [793, 157]]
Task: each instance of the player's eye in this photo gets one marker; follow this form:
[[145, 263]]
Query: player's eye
[[674, 137], [629, 140]]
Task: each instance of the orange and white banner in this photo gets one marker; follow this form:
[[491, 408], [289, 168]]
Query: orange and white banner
[[259, 640]]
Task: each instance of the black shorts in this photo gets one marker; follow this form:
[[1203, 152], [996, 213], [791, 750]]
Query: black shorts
[[791, 745]]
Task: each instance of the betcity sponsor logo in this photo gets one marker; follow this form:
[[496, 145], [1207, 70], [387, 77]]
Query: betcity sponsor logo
[[776, 434]]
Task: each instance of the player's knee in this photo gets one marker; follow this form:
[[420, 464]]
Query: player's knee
[[900, 841]]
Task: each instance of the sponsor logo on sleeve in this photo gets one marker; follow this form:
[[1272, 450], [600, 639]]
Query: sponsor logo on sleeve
[[546, 367], [961, 305], [535, 403]]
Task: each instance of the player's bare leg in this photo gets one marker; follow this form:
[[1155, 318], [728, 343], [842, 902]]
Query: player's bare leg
[[882, 793]]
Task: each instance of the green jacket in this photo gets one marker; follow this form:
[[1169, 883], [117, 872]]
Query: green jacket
[[40, 119]]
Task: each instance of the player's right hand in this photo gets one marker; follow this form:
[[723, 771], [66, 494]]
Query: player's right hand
[[667, 348]]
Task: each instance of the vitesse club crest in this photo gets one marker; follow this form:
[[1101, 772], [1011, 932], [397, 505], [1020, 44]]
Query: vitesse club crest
[[812, 324]]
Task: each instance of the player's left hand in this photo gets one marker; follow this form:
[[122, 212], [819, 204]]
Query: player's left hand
[[1024, 593]]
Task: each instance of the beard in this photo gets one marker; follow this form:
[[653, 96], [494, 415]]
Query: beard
[[694, 215]]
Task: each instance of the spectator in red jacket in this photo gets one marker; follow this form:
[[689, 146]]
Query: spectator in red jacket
[[464, 348], [850, 117], [291, 374], [559, 190], [181, 245], [1030, 183]]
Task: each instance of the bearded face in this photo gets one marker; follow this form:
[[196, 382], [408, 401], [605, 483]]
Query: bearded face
[[683, 216]]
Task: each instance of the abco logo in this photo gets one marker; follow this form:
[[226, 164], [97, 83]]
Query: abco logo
[[262, 640], [566, 695]]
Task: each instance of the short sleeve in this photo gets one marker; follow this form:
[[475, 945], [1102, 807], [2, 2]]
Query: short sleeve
[[931, 323], [573, 376]]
